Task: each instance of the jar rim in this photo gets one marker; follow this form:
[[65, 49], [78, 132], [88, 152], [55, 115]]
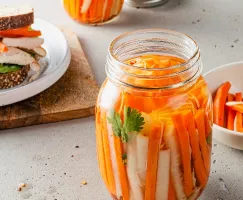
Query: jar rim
[[117, 61]]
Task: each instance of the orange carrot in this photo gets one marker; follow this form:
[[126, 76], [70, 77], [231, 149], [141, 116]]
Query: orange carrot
[[3, 47], [236, 107], [108, 10], [231, 114], [66, 5], [20, 32], [208, 127], [99, 11], [200, 124], [78, 8], [198, 164], [155, 138], [100, 149], [93, 10], [109, 170], [121, 168], [219, 103], [238, 118], [183, 138], [171, 193]]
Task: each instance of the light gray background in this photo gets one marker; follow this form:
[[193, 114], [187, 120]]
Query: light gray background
[[41, 155]]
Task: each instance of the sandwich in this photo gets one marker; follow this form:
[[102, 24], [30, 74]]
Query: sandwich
[[20, 45]]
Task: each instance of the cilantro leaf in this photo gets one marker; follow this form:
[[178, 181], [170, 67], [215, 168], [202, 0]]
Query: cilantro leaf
[[133, 122], [115, 121]]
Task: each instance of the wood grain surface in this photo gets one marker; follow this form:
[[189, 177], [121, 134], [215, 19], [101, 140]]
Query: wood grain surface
[[73, 96]]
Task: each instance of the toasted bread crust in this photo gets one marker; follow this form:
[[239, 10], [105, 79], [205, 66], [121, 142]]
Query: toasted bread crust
[[16, 21], [12, 79]]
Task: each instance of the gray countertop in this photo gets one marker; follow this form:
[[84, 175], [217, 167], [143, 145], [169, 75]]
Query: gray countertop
[[46, 157]]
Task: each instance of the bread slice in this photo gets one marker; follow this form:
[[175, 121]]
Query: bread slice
[[12, 79], [12, 18]]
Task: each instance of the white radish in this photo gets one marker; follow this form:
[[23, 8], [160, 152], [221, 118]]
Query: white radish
[[232, 103], [85, 6], [109, 95], [142, 156], [113, 160], [163, 175], [135, 188], [177, 176]]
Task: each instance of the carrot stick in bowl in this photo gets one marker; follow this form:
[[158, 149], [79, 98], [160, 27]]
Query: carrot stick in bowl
[[231, 113], [238, 118], [219, 103]]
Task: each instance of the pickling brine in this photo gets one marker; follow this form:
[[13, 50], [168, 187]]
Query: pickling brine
[[154, 120], [93, 11]]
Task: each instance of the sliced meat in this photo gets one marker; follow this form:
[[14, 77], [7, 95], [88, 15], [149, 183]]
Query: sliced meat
[[23, 42], [16, 56], [39, 51]]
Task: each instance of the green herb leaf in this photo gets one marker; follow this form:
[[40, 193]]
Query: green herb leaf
[[116, 123], [133, 122], [6, 68]]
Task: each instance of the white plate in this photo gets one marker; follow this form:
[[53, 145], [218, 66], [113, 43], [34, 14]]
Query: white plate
[[233, 73], [54, 65]]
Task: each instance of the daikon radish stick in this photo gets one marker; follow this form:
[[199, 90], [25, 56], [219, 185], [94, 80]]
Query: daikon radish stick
[[163, 175], [135, 188], [171, 142], [142, 153]]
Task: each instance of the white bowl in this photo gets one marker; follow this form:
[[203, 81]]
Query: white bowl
[[233, 73]]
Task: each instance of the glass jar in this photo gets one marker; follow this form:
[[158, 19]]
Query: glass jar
[[145, 3], [93, 11], [154, 118]]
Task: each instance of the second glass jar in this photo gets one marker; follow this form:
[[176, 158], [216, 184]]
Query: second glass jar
[[154, 118], [93, 11]]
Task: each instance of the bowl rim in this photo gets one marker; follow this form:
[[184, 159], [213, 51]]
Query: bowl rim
[[217, 69]]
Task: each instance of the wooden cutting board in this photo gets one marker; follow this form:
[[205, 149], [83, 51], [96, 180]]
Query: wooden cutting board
[[73, 96]]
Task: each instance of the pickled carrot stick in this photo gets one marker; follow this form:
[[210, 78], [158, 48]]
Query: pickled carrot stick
[[171, 193], [238, 118], [152, 165], [183, 138], [208, 128], [78, 8], [100, 151], [3, 47], [93, 10], [121, 168], [109, 170], [163, 175], [198, 164], [200, 124], [231, 114], [72, 8], [66, 5], [99, 11], [171, 142], [219, 103], [108, 9]]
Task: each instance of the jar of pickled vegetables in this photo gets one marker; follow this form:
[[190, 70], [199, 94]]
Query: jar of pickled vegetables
[[93, 11], [154, 118]]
